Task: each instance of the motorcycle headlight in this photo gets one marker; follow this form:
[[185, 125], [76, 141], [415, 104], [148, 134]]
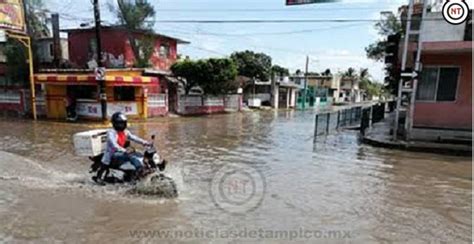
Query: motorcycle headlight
[[156, 158]]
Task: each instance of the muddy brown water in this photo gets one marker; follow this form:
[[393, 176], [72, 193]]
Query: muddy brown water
[[334, 191]]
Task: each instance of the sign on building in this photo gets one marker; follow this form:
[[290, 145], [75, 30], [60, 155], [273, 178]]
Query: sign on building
[[12, 16], [299, 2]]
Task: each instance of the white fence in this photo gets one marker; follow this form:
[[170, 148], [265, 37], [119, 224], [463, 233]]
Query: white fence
[[157, 100], [233, 102], [10, 97], [206, 104]]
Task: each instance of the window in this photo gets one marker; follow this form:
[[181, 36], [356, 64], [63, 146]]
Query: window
[[124, 93], [51, 50], [164, 50], [438, 84], [82, 92]]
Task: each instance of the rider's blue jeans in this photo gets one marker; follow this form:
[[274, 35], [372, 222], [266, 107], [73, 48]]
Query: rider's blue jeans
[[122, 157]]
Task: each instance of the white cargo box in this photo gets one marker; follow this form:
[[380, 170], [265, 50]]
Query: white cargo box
[[90, 143]]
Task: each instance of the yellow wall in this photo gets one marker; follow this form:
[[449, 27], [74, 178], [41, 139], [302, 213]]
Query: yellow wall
[[124, 72], [141, 102], [55, 101]]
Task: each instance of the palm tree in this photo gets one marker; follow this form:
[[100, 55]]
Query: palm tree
[[136, 15], [364, 74], [350, 73]]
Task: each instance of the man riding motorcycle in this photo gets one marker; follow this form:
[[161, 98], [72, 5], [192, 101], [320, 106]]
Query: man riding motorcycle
[[116, 149]]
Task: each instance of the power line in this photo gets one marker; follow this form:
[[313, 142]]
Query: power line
[[261, 33], [263, 10], [260, 21]]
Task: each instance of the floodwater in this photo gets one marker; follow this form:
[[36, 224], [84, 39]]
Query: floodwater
[[334, 191]]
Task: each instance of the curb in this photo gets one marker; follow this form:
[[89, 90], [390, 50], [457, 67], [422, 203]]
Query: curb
[[416, 148]]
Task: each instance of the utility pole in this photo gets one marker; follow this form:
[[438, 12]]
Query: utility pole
[[56, 40], [26, 41], [100, 78], [305, 82], [404, 63]]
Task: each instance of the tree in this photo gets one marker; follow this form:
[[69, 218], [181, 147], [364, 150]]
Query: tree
[[137, 15], [37, 19], [17, 68], [188, 73], [385, 27], [253, 65], [16, 54], [364, 73], [370, 87], [327, 72], [279, 71], [214, 76], [350, 73], [219, 76]]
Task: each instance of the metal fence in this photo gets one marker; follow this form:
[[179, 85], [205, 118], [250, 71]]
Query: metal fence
[[361, 117], [326, 123]]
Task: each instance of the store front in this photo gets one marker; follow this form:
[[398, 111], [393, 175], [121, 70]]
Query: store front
[[128, 94]]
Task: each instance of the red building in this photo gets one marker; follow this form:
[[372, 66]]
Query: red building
[[116, 49], [444, 98], [139, 92]]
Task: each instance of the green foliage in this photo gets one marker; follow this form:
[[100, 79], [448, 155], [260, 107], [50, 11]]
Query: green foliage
[[17, 67], [219, 76], [146, 47], [214, 76], [385, 27], [253, 65], [16, 54], [350, 73], [136, 15], [327, 72], [370, 87], [279, 71], [364, 73]]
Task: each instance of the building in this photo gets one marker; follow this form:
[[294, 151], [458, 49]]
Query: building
[[285, 93], [139, 92], [324, 90], [349, 91], [45, 51], [443, 104]]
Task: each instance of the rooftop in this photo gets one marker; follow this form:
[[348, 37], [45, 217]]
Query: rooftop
[[123, 28]]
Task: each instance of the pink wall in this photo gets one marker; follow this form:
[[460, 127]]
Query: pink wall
[[115, 42], [453, 115]]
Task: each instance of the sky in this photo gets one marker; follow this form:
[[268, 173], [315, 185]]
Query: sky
[[337, 46]]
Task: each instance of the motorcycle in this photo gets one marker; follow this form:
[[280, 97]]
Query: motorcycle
[[119, 173]]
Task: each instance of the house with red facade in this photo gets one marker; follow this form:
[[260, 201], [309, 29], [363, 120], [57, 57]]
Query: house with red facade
[[139, 92], [443, 104]]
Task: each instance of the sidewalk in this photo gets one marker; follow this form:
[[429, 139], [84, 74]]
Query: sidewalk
[[379, 135]]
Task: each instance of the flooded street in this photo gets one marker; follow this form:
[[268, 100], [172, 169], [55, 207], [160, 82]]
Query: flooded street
[[337, 185]]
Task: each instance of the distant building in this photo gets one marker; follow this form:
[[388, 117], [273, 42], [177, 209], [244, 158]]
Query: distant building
[[349, 91], [45, 51]]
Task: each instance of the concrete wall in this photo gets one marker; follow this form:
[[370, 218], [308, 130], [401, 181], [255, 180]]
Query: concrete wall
[[441, 30], [452, 115], [195, 105], [45, 52], [157, 104]]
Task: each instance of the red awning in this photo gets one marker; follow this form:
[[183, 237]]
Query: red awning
[[87, 79]]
